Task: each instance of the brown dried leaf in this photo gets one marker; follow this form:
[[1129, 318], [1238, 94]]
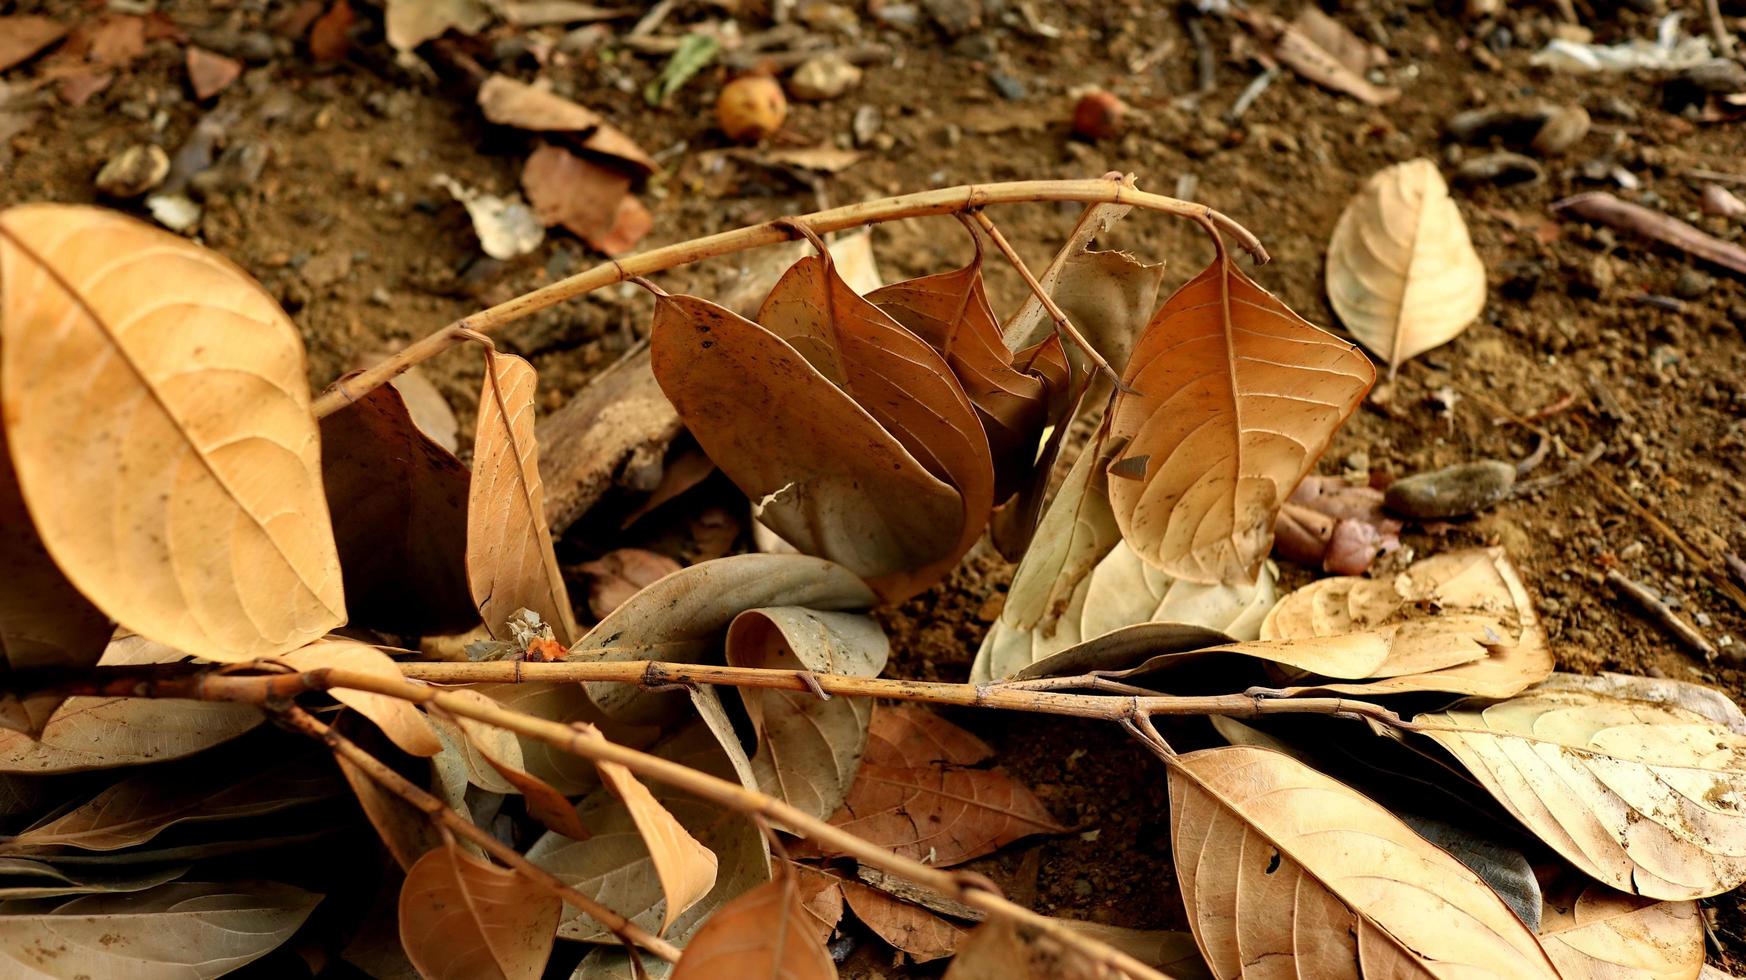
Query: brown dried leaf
[[821, 896], [910, 928], [23, 35], [921, 792], [158, 416], [1402, 273], [508, 102], [591, 200], [410, 23], [764, 933], [399, 505], [1277, 861], [406, 831], [1109, 297], [330, 35], [1077, 530], [1301, 47], [621, 573], [462, 918], [901, 381], [1234, 398], [1001, 949], [210, 73], [830, 480], [1175, 953], [1594, 933], [510, 562], [1640, 795], [400, 720]]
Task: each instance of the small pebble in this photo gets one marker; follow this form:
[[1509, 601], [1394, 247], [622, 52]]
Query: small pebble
[[1565, 128], [1502, 169], [1692, 284], [1454, 491], [824, 77], [1010, 88], [133, 171], [955, 16], [865, 124]]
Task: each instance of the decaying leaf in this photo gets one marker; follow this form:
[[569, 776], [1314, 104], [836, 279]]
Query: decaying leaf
[[808, 747], [592, 200], [399, 504], [410, 23], [821, 895], [165, 449], [510, 561], [826, 475], [1171, 951], [568, 704], [400, 720], [506, 226], [621, 573], [177, 931], [1640, 795], [1233, 398], [921, 934], [614, 866], [463, 918], [921, 792], [763, 933], [1076, 531], [897, 378], [1402, 273], [1001, 949], [1594, 933], [1278, 862], [493, 761], [508, 102], [23, 35]]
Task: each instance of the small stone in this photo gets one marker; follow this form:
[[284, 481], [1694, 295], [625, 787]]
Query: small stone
[[955, 16], [1010, 88], [828, 17], [1501, 169], [824, 77], [1453, 491], [1515, 125], [1718, 200], [900, 15], [1692, 284], [1718, 76], [865, 124], [1082, 888], [174, 211], [1703, 619], [133, 171], [237, 169], [1565, 128], [326, 269]]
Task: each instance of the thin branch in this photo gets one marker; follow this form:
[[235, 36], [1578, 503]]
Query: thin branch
[[453, 823], [948, 200]]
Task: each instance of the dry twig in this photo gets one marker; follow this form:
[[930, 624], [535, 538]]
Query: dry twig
[[1659, 610]]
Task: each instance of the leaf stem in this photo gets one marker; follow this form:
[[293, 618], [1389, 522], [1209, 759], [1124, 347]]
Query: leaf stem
[[949, 200]]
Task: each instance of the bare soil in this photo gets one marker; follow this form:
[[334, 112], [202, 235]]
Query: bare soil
[[345, 226]]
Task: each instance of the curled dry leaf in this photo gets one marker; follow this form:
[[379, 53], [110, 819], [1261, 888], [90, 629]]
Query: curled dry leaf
[[158, 418], [400, 720], [27, 879], [615, 867], [921, 792], [897, 378], [1640, 795], [399, 503], [821, 895], [463, 918], [1402, 272], [508, 102], [1076, 531], [766, 932], [808, 747], [826, 475], [1001, 949], [510, 562], [1277, 861], [621, 573], [502, 770], [1592, 932], [684, 617], [910, 928], [193, 930], [1233, 398]]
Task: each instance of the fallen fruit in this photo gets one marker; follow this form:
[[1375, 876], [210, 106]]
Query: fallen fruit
[[1098, 115], [751, 108]]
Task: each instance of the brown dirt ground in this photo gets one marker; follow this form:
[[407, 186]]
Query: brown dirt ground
[[346, 228]]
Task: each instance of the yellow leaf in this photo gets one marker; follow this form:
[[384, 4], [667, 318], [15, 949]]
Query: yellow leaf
[[401, 721]]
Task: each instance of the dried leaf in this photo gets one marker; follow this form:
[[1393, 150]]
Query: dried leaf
[[1001, 949], [1076, 531], [1030, 324], [621, 573], [1706, 701], [1402, 273], [158, 416], [1109, 297], [410, 23], [26, 879], [500, 751], [400, 720], [568, 704], [510, 561], [808, 747], [763, 933], [506, 226], [210, 73], [1638, 795], [1277, 861], [399, 504], [508, 102], [910, 928], [684, 618], [827, 477], [589, 199], [1594, 933], [1170, 951], [23, 35], [467, 919], [821, 895], [922, 792], [179, 931], [330, 35], [407, 832], [901, 381], [1301, 48], [614, 866], [1234, 398]]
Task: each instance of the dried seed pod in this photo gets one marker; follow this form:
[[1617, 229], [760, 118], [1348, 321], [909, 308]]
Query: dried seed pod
[[751, 108]]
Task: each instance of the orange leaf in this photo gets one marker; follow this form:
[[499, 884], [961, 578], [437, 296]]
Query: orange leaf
[[911, 928], [462, 918], [766, 932]]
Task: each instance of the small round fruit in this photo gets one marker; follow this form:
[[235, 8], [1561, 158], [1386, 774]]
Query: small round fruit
[[1098, 115], [751, 108]]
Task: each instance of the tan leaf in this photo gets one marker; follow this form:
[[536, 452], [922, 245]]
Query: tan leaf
[[910, 928], [921, 792], [410, 23], [901, 381], [407, 832], [764, 933], [586, 197], [500, 751], [399, 503], [178, 931], [1076, 531], [1031, 323], [23, 35], [1640, 795], [826, 476], [1402, 273], [569, 704], [1300, 45], [1594, 933], [808, 747], [821, 896], [1109, 297], [1175, 953], [158, 416], [44, 621], [1234, 398], [1278, 862], [685, 867], [508, 102], [615, 867], [27, 879], [1001, 949], [462, 918], [510, 561], [400, 720]]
